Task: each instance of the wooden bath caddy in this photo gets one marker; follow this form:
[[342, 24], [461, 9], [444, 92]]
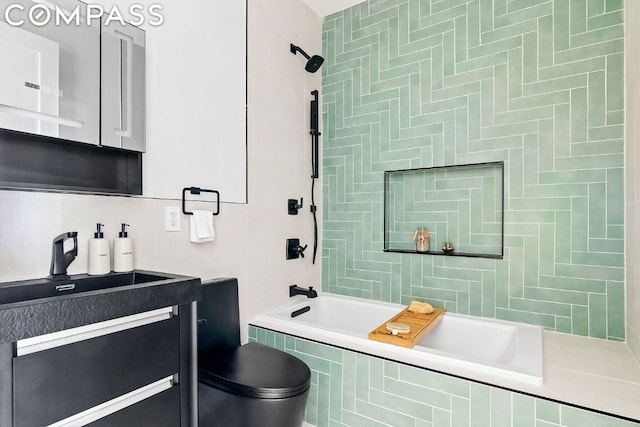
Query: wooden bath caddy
[[420, 324]]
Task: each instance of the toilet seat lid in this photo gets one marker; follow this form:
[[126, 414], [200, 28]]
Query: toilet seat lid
[[255, 370]]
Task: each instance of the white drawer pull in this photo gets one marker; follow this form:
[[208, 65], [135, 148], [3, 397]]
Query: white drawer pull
[[114, 405], [68, 336]]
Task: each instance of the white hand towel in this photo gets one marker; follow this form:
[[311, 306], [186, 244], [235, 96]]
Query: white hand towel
[[202, 227]]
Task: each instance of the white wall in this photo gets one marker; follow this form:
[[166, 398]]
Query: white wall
[[632, 159], [250, 238], [280, 148], [327, 7]]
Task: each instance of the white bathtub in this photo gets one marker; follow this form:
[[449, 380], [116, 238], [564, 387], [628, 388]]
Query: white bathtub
[[472, 347]]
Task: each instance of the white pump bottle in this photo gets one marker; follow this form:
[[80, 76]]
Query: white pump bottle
[[123, 252], [99, 253]]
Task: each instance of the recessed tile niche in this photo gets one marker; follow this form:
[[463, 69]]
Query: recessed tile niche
[[461, 204]]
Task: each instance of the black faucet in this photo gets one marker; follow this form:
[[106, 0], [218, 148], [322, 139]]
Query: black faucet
[[297, 290], [60, 259]]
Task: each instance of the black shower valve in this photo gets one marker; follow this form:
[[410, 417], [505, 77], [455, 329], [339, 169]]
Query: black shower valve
[[294, 249], [300, 250], [293, 206]]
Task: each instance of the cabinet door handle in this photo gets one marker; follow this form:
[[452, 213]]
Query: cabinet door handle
[[68, 336], [126, 77], [114, 405]]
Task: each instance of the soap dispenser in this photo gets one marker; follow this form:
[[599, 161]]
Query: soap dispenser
[[99, 253], [123, 252]]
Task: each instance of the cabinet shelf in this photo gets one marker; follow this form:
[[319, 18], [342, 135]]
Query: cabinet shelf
[[440, 253], [461, 204]]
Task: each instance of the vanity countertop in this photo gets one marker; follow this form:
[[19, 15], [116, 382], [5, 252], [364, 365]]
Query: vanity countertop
[[33, 317]]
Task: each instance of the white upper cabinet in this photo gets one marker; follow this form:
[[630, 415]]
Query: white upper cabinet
[[123, 86], [196, 100], [173, 87], [50, 71]]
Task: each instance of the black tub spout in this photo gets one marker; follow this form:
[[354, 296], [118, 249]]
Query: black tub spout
[[297, 290]]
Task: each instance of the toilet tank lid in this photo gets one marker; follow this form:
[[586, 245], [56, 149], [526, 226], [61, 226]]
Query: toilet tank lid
[[255, 370]]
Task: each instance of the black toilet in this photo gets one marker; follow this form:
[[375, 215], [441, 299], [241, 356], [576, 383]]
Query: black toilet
[[252, 385]]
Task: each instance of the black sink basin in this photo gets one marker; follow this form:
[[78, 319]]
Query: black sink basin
[[30, 308], [29, 290]]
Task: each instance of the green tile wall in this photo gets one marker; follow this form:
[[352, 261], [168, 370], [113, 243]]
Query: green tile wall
[[357, 390], [537, 84]]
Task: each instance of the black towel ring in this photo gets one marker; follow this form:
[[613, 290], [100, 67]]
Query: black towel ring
[[196, 191]]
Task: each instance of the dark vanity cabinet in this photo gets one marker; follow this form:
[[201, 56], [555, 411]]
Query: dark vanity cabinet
[[134, 373]]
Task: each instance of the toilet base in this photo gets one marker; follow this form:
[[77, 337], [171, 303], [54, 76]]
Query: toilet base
[[217, 408]]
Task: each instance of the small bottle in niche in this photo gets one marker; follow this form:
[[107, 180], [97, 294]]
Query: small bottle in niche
[[421, 237]]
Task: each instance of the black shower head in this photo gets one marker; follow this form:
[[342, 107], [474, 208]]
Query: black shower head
[[313, 62]]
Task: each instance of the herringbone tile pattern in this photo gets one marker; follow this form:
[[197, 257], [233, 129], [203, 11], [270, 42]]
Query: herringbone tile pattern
[[350, 389], [537, 84]]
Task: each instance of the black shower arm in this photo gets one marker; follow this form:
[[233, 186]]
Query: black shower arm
[[295, 49]]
